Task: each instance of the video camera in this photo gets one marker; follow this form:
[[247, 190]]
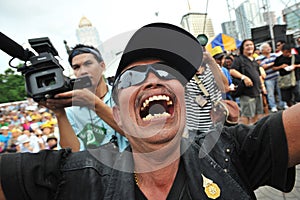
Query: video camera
[[43, 75]]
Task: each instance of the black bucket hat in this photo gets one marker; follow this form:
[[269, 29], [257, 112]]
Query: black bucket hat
[[175, 46]]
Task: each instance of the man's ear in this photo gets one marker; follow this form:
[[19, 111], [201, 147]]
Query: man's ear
[[102, 64], [116, 115]]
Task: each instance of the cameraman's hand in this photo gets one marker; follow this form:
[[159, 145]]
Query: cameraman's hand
[[58, 111], [80, 97]]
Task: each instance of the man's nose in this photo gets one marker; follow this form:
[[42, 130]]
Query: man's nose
[[82, 71], [153, 79]]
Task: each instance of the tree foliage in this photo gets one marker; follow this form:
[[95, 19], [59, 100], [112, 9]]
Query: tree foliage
[[12, 87]]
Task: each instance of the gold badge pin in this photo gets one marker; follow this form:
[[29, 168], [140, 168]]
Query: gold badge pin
[[211, 189]]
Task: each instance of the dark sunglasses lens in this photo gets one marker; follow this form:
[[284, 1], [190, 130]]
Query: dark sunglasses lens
[[138, 74], [131, 77], [164, 71]]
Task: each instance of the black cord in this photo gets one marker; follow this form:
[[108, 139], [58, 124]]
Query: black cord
[[9, 63]]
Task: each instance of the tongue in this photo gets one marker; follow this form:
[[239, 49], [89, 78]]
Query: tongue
[[156, 109]]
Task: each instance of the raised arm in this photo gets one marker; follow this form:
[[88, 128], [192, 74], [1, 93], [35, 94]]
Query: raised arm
[[105, 113], [291, 124]]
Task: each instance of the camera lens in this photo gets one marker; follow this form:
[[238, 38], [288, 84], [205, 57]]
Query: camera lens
[[46, 80]]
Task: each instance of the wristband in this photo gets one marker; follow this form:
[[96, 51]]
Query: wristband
[[243, 77]]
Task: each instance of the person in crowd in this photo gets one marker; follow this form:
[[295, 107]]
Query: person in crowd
[[245, 67], [36, 122], [298, 46], [41, 138], [284, 65], [24, 144], [279, 45], [34, 141], [219, 57], [149, 92], [5, 137], [26, 124], [94, 126], [228, 61], [201, 93], [47, 128], [3, 122], [256, 53], [267, 61], [52, 142], [13, 143], [264, 92]]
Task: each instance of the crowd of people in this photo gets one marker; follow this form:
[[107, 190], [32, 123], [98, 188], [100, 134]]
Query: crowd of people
[[27, 127], [259, 68]]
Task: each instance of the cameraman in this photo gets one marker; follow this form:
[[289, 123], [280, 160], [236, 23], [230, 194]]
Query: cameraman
[[88, 123]]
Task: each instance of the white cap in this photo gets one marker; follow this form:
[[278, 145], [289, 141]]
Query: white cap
[[23, 139], [4, 128]]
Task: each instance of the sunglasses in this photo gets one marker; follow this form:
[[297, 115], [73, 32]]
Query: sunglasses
[[138, 74]]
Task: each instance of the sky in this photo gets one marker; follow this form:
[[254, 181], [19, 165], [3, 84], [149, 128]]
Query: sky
[[25, 19]]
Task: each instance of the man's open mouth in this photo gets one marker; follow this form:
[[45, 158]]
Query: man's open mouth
[[156, 106]]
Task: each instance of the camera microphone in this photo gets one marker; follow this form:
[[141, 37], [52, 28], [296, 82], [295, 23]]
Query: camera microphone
[[14, 49]]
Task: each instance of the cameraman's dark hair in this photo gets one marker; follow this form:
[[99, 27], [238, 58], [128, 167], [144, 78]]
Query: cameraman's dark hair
[[81, 48], [242, 46]]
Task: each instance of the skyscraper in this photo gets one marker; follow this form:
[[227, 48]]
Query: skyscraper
[[248, 16], [198, 23], [229, 28], [291, 16]]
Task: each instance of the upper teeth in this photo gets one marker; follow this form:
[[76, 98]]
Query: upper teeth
[[156, 98]]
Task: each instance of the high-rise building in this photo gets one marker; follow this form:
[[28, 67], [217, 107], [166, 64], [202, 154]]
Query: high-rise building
[[229, 28], [198, 23], [87, 34], [269, 17], [291, 15], [248, 16]]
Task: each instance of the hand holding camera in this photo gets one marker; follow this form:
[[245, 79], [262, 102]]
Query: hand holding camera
[[44, 76]]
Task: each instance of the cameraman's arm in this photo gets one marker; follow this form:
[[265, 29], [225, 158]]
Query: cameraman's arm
[[2, 197], [105, 113], [86, 98], [290, 118], [67, 136]]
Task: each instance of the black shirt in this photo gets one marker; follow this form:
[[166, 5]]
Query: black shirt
[[287, 60], [179, 189], [249, 68]]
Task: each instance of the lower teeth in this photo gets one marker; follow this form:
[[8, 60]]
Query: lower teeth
[[149, 116]]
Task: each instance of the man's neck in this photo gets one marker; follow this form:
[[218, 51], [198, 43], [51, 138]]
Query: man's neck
[[267, 55], [101, 89], [250, 56], [157, 184]]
